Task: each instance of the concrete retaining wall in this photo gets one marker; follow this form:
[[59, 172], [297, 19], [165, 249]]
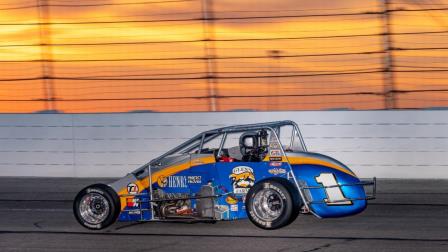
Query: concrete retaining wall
[[385, 144]]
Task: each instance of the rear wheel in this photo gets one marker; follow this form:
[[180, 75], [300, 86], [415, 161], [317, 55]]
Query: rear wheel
[[96, 206], [270, 205]]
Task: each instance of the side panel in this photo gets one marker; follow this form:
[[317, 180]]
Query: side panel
[[320, 199], [131, 206], [181, 179], [136, 208], [235, 180], [232, 180]]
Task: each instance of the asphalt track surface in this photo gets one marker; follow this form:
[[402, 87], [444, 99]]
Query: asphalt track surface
[[408, 215]]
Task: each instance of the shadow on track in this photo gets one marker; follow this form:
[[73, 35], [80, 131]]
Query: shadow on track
[[226, 236]]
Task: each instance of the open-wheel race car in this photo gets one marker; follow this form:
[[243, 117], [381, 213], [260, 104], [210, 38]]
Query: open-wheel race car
[[258, 171]]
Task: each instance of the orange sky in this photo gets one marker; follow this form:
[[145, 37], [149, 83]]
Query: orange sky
[[149, 61]]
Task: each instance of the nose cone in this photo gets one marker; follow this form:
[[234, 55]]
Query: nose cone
[[331, 188]]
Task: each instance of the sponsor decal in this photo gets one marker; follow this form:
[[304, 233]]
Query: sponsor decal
[[274, 145], [132, 202], [277, 171], [93, 190], [132, 188], [97, 226], [178, 181], [275, 158], [268, 185], [194, 179], [275, 153], [134, 212], [234, 208], [231, 200], [242, 178], [162, 181], [260, 221], [172, 181], [275, 164]]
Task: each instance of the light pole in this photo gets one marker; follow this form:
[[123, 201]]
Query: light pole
[[210, 53], [46, 55], [388, 75], [275, 55]]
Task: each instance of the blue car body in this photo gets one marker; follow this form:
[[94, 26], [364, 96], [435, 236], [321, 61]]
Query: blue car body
[[199, 185]]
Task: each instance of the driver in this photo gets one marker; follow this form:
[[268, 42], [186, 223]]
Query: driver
[[254, 145]]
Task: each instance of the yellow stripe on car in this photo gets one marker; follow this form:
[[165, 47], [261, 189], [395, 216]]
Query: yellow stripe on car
[[316, 161]]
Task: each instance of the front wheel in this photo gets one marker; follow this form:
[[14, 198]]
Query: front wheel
[[96, 206], [269, 205]]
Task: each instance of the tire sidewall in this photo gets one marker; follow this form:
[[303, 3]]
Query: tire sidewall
[[108, 194], [287, 202], [297, 202]]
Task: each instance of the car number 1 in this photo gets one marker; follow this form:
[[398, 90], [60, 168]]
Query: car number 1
[[335, 196]]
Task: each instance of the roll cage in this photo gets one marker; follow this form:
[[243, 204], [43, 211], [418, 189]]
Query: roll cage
[[199, 140]]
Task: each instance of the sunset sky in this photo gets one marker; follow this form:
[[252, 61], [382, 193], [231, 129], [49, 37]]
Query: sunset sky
[[127, 55]]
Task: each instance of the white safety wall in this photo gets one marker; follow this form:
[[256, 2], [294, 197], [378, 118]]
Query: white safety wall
[[385, 144]]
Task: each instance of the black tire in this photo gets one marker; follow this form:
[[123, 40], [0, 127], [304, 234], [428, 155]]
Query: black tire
[[104, 195], [296, 199], [278, 194]]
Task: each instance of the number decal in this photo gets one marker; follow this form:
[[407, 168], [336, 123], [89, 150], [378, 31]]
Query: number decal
[[333, 191]]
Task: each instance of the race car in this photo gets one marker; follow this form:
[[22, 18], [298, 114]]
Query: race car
[[258, 171]]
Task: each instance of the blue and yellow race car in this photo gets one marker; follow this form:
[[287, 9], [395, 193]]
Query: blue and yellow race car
[[258, 171]]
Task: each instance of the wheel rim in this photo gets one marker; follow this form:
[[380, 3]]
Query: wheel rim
[[94, 208], [267, 205]]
